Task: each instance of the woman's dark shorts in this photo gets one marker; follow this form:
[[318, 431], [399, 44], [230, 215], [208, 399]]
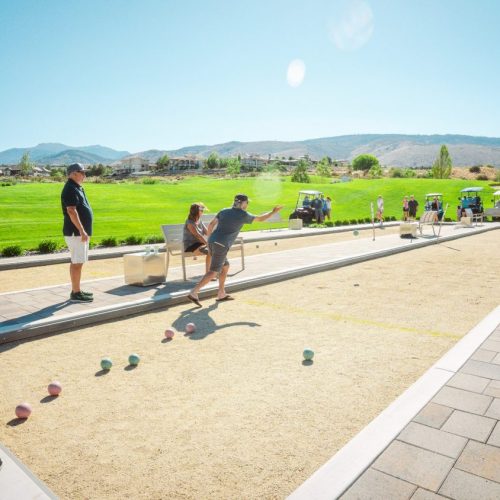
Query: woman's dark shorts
[[197, 246]]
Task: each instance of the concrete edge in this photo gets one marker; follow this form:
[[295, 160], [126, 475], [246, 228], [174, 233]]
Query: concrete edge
[[107, 313], [332, 479], [17, 481]]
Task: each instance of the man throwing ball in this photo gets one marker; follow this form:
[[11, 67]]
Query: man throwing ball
[[223, 230]]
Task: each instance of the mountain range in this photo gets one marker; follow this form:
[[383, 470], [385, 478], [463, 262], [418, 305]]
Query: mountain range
[[391, 150]]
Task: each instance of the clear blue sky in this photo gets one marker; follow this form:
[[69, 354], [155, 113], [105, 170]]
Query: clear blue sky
[[142, 74]]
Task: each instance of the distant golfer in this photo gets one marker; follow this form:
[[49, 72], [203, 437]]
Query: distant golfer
[[77, 228], [223, 230], [380, 210]]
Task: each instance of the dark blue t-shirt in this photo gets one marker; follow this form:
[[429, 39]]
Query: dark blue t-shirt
[[73, 195], [230, 222]]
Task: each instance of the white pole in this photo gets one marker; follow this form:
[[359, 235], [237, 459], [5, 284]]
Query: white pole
[[373, 220]]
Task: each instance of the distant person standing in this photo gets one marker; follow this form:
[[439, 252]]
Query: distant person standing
[[405, 208], [317, 205], [77, 228], [327, 208], [380, 210], [412, 207], [222, 231]]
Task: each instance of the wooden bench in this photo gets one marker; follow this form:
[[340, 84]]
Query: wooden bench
[[431, 218], [174, 245]]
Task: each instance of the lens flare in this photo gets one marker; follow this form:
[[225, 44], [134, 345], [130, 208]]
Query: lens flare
[[295, 73]]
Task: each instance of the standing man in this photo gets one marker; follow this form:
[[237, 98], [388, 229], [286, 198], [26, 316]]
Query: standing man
[[412, 208], [380, 210], [77, 228], [223, 230]]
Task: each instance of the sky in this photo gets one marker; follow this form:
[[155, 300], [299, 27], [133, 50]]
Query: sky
[[160, 74]]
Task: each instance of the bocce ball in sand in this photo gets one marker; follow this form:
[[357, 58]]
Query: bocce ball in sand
[[308, 354], [106, 363], [54, 388], [190, 328], [169, 333], [133, 359], [23, 410], [355, 232]]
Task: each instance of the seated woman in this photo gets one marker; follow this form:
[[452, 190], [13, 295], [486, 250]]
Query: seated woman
[[195, 233]]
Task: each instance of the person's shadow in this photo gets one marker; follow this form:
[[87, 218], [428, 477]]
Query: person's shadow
[[205, 325]]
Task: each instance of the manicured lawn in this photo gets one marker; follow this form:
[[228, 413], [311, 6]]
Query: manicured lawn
[[30, 213]]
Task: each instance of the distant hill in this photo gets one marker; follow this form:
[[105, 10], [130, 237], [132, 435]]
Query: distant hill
[[391, 149], [53, 154]]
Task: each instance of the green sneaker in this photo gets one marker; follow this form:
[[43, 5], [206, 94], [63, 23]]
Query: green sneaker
[[89, 294], [80, 297]]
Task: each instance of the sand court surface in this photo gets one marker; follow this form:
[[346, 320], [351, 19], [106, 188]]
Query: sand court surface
[[231, 411]]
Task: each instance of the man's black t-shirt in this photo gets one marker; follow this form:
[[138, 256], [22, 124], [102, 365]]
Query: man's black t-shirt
[[73, 195]]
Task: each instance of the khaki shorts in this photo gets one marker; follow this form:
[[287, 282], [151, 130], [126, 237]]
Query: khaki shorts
[[79, 249], [218, 253]]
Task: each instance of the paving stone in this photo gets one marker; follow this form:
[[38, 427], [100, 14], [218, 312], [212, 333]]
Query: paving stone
[[493, 389], [481, 369], [494, 409], [462, 400], [496, 359], [375, 485], [494, 439], [480, 459], [421, 494], [469, 425], [463, 486], [468, 382], [483, 355], [415, 465], [491, 345], [433, 415], [433, 439]]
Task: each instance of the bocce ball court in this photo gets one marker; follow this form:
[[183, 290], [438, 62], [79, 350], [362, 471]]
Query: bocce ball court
[[232, 410]]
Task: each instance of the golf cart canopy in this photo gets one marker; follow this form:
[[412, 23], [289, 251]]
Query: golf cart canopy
[[431, 195], [472, 190], [496, 193], [310, 193]]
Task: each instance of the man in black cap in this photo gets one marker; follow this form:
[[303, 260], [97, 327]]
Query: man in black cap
[[77, 228], [222, 231]]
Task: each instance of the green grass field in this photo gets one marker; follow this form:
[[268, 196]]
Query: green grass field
[[30, 213]]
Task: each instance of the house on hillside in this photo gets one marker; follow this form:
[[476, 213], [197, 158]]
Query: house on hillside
[[187, 162], [131, 165], [253, 162], [11, 170], [41, 172]]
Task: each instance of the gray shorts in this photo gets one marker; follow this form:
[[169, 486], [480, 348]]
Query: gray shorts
[[218, 252]]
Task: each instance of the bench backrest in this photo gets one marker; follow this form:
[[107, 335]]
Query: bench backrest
[[468, 212], [173, 234]]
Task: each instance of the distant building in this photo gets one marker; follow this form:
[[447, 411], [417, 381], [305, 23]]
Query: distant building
[[184, 163], [131, 165], [251, 162]]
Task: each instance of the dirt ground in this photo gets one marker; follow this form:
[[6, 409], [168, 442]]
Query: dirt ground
[[232, 412], [17, 279]]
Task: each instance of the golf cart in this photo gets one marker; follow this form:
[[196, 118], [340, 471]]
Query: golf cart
[[494, 212], [471, 200], [434, 202], [303, 209]]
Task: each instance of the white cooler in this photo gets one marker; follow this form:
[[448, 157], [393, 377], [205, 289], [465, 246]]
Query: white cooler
[[408, 229], [144, 268], [295, 224]]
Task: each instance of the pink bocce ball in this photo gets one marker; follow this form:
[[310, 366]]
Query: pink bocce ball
[[190, 328], [54, 388], [169, 333], [23, 410]]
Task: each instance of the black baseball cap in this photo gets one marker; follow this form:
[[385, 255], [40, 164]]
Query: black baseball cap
[[240, 198], [75, 167]]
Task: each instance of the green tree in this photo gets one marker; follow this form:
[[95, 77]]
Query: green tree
[[300, 174], [323, 168], [25, 164], [442, 166], [162, 163], [375, 171], [233, 167], [364, 162], [212, 161]]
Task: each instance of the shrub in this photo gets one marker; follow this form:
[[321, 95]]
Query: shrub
[[12, 251], [338, 223], [367, 220], [345, 222], [482, 177], [149, 180], [448, 219], [47, 246], [329, 223], [133, 240], [109, 242], [361, 221], [396, 172], [153, 239], [353, 221], [476, 169]]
